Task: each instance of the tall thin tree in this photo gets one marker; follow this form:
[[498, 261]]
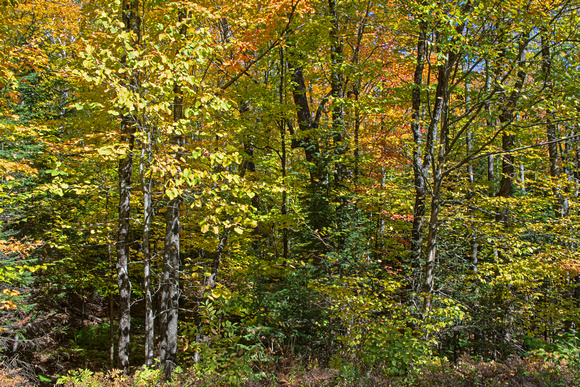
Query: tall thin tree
[[132, 22]]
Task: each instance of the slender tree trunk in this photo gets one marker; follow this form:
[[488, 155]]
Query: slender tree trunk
[[111, 298], [431, 248], [284, 209], [471, 181], [171, 285], [523, 178], [337, 89], [437, 143], [216, 263], [357, 124], [132, 22], [490, 123], [249, 165], [171, 259], [438, 117], [305, 122], [560, 205], [208, 286], [356, 91], [123, 281], [418, 170], [491, 171], [146, 249]]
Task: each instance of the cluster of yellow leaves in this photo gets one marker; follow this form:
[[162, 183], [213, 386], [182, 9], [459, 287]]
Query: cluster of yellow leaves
[[20, 247], [9, 167], [9, 304]]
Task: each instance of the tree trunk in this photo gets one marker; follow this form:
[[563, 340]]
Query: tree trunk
[[506, 117], [284, 209], [471, 181], [431, 248], [356, 91], [132, 22], [438, 117], [207, 288], [417, 129], [171, 261], [111, 298], [437, 142], [170, 298], [146, 248], [337, 89], [319, 207], [123, 281], [560, 205]]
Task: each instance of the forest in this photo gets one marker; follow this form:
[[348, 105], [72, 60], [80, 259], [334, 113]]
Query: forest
[[290, 192]]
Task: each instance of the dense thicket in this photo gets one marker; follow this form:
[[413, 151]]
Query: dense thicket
[[228, 185]]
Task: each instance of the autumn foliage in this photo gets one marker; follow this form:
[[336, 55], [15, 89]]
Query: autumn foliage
[[332, 192]]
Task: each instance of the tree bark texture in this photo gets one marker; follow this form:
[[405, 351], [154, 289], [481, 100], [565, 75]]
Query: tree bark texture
[[417, 129], [318, 207], [434, 142], [506, 117], [146, 249], [132, 21], [170, 298], [171, 259], [337, 89]]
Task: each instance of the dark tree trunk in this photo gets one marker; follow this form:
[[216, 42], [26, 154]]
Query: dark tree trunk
[[506, 117], [491, 124], [319, 207], [207, 288], [436, 149], [356, 91], [305, 122], [506, 185]]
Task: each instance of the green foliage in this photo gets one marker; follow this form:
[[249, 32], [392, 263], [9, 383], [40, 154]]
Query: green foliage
[[41, 97], [564, 350], [234, 353], [90, 343]]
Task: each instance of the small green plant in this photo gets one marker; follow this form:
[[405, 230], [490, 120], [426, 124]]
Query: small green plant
[[564, 350], [77, 378], [148, 376], [88, 378]]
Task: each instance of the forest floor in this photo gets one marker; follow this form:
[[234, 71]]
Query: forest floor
[[72, 335]]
